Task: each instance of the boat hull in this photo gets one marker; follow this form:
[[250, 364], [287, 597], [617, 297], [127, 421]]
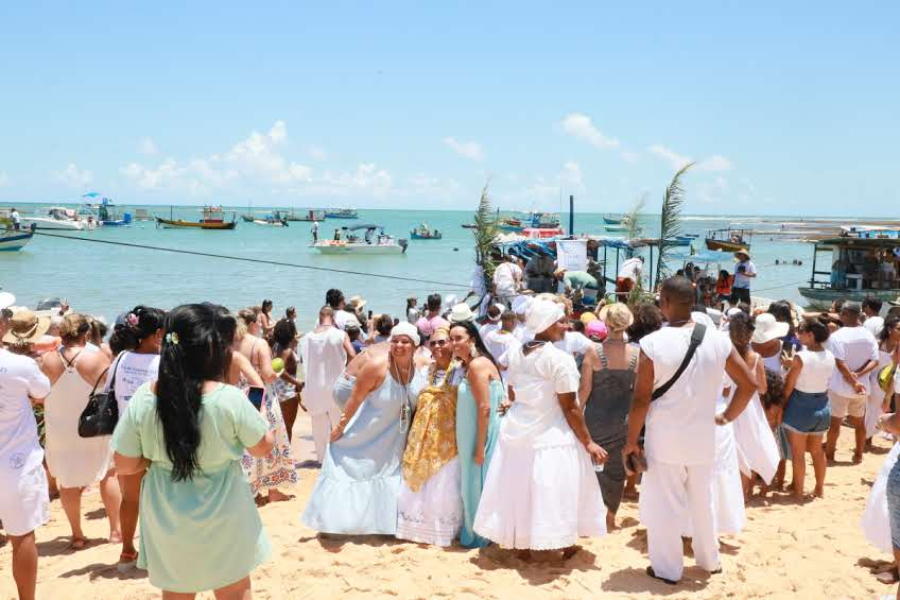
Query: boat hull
[[52, 224], [542, 232], [726, 246], [608, 221], [343, 248], [821, 298], [616, 228], [415, 236], [170, 224], [14, 241]]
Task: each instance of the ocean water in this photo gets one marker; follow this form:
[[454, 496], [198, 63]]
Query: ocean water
[[106, 279]]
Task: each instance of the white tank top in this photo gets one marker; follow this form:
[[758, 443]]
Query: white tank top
[[817, 370]]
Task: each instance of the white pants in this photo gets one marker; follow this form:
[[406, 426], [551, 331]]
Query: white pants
[[670, 495], [321, 428]]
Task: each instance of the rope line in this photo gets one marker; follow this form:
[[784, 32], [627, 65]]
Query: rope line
[[254, 260]]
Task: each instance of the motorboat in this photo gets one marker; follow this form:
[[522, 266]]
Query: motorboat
[[423, 232], [373, 242], [56, 218], [213, 219], [109, 216], [341, 213], [728, 240]]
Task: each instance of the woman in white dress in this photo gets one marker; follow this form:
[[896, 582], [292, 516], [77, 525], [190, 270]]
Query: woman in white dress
[[76, 462], [430, 507], [541, 492]]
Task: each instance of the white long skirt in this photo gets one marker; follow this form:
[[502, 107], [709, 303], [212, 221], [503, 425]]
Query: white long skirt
[[756, 446], [434, 514], [876, 522], [540, 499], [728, 493], [873, 407]]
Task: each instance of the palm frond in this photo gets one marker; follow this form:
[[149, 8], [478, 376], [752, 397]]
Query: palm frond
[[670, 221], [485, 233], [631, 219]]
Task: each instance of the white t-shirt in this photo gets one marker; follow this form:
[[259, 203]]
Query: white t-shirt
[[574, 343], [631, 269], [499, 343], [740, 279], [855, 346], [20, 450], [874, 325], [487, 328], [132, 371], [681, 424], [818, 367], [505, 279]]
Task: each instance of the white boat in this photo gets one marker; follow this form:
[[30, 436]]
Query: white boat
[[270, 222], [370, 244], [58, 218]]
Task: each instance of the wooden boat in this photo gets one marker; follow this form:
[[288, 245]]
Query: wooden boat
[[855, 267], [369, 245], [12, 240], [542, 232], [248, 218], [616, 228], [609, 221], [213, 219], [728, 240], [423, 232], [341, 213], [306, 215]]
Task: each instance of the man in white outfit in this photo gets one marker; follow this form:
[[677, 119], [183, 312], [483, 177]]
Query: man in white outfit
[[680, 432], [324, 352]]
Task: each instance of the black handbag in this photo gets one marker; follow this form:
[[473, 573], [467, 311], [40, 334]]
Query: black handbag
[[101, 414]]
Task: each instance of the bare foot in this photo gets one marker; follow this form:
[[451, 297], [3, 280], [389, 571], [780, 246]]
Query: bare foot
[[79, 542], [261, 500], [611, 521], [570, 552], [819, 493], [115, 537], [276, 496], [857, 458]]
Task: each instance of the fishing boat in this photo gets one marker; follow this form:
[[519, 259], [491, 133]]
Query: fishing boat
[[213, 219], [56, 218], [370, 244], [248, 218], [341, 213], [616, 228], [728, 240], [13, 240], [423, 232], [306, 215], [275, 220], [469, 226], [109, 216], [858, 263], [610, 221], [510, 225]]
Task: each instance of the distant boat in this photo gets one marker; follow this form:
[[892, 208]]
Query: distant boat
[[110, 217], [469, 226], [616, 228], [309, 215], [12, 240], [423, 232], [271, 222], [350, 243], [213, 219], [248, 218], [56, 218], [609, 221], [728, 240], [341, 213]]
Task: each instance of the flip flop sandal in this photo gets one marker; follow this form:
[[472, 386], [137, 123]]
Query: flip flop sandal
[[127, 562]]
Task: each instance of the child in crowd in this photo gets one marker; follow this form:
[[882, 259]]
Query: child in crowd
[[773, 403]]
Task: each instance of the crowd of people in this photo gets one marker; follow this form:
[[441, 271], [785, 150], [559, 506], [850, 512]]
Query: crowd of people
[[522, 421]]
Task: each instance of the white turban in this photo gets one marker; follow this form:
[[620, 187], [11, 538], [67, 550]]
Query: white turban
[[542, 314], [407, 329], [520, 305]]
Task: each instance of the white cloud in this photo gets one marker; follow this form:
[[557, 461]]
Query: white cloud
[[466, 149], [316, 153], [581, 127], [546, 189], [715, 163], [571, 176], [713, 192], [366, 178], [147, 147], [675, 160], [4, 179], [74, 177]]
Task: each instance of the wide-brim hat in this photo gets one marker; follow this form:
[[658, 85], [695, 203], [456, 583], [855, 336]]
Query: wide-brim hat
[[357, 302], [25, 327], [768, 329], [743, 251], [461, 313]]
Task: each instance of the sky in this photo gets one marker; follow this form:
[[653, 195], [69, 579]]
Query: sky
[[785, 107]]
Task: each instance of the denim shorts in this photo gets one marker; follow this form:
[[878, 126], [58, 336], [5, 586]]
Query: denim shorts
[[893, 502], [807, 413]]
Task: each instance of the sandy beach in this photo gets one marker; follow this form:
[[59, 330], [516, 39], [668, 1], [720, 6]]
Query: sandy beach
[[785, 552]]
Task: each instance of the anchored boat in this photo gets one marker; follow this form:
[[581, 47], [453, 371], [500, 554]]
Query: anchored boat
[[213, 219], [423, 232], [373, 242], [728, 240], [341, 213], [13, 240], [56, 218], [611, 221]]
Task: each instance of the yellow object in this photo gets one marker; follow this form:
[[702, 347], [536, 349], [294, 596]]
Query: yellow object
[[588, 317], [886, 377], [278, 365], [432, 438]]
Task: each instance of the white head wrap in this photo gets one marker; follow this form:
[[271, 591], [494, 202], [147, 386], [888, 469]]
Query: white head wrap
[[542, 314], [520, 305], [407, 329]]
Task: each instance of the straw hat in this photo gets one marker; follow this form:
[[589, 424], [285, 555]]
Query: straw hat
[[743, 251], [461, 313], [768, 329], [25, 327], [356, 303]]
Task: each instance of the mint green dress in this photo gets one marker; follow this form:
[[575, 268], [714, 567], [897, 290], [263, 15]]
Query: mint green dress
[[203, 533]]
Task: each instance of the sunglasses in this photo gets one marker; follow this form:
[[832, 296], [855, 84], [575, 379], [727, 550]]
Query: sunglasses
[[438, 343]]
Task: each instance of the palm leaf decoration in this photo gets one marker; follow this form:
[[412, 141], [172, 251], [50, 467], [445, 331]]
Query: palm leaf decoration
[[631, 219], [485, 233], [670, 221]]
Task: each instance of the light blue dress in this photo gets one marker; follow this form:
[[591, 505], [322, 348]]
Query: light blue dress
[[203, 533], [473, 475], [357, 489]]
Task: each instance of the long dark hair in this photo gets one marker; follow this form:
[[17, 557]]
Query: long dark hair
[[284, 333], [889, 325], [472, 330], [197, 348], [137, 325]]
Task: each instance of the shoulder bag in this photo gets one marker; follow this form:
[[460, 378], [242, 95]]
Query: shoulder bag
[[102, 411]]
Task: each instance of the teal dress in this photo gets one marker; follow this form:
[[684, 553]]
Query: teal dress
[[357, 489], [473, 475], [203, 533]]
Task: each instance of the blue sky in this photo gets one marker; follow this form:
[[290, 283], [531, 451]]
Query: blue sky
[[789, 107]]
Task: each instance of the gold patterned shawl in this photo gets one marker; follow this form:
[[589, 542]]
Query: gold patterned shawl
[[431, 443]]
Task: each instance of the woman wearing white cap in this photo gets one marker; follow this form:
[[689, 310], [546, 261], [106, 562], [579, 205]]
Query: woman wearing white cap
[[359, 483], [541, 492]]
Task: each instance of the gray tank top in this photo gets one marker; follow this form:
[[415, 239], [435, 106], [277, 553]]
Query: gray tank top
[[606, 413]]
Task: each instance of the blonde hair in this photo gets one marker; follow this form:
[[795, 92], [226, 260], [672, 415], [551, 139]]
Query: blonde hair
[[73, 326], [618, 316]]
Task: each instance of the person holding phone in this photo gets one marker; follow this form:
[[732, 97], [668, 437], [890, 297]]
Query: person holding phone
[[188, 430], [744, 271]]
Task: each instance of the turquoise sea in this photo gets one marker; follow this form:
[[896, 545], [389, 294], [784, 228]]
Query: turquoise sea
[[105, 279]]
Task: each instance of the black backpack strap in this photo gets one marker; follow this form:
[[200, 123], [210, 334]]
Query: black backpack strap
[[696, 339], [111, 383]]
